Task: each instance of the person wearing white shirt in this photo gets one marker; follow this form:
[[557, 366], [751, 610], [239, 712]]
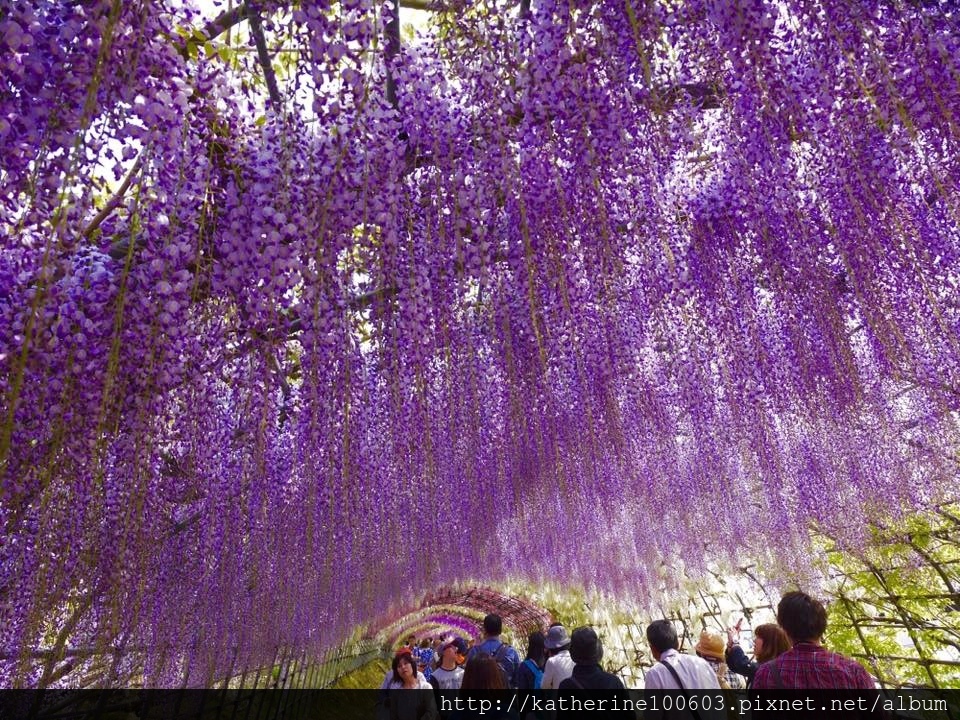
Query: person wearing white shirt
[[559, 665], [689, 672], [675, 671], [448, 675]]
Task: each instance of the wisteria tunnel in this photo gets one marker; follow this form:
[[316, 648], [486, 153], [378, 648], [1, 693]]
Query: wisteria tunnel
[[326, 323]]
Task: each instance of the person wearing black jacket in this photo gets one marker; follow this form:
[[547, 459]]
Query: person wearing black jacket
[[586, 650]]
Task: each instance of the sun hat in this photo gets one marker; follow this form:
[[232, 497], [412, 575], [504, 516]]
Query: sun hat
[[711, 645], [556, 637]]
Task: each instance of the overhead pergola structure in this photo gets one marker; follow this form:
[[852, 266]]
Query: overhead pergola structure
[[893, 605], [569, 285], [461, 610]]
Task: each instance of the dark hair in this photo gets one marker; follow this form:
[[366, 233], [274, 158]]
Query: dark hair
[[802, 617], [483, 673], [535, 648], [425, 643], [585, 647], [492, 624], [775, 641], [662, 636], [399, 658]]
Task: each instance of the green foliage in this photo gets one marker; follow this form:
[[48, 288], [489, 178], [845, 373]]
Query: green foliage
[[367, 676], [897, 604]]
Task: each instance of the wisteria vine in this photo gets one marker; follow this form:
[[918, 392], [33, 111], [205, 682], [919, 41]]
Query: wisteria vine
[[604, 286]]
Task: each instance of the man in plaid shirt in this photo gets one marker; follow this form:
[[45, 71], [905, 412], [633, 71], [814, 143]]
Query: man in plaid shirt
[[808, 664]]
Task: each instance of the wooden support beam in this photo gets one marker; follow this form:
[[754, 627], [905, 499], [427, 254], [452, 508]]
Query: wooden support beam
[[391, 51], [115, 200], [256, 30]]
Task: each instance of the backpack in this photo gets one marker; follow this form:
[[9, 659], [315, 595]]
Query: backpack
[[536, 671], [498, 656]]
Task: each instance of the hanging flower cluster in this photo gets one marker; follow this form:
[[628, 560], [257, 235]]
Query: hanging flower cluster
[[288, 338]]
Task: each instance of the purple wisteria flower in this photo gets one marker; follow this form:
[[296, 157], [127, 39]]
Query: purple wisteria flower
[[298, 324]]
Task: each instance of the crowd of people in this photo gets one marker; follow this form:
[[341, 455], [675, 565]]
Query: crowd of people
[[786, 655]]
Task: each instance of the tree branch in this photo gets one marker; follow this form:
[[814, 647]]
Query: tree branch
[[59, 651], [237, 15], [257, 30], [225, 21], [357, 303], [115, 200], [705, 96], [391, 51]]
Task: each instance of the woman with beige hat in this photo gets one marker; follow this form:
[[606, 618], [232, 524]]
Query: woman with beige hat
[[712, 648]]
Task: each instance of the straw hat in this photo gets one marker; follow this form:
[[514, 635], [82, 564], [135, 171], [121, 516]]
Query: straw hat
[[711, 645]]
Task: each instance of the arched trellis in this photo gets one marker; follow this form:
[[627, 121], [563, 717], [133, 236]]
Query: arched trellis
[[462, 608]]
